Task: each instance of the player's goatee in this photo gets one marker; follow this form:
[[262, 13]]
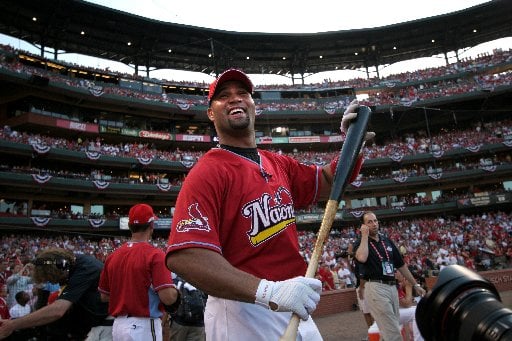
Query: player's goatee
[[240, 124]]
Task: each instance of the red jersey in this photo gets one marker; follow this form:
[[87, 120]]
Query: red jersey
[[246, 211], [327, 278], [53, 296], [4, 309], [401, 292], [132, 276]]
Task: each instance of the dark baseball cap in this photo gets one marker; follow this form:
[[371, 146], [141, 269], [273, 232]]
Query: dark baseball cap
[[141, 214], [229, 75]]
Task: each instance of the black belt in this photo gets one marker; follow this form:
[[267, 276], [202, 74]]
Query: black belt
[[106, 323], [383, 281]]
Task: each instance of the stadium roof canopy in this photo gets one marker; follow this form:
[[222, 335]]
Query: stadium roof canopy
[[75, 26]]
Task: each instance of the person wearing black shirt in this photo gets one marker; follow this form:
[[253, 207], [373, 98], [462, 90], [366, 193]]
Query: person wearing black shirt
[[380, 258], [78, 312]]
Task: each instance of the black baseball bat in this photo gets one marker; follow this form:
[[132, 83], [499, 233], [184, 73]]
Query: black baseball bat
[[349, 152], [346, 162]]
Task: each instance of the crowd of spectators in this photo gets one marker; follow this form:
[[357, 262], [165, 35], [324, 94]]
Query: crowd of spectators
[[478, 241], [467, 78], [443, 88], [96, 175], [97, 145], [370, 174], [408, 144]]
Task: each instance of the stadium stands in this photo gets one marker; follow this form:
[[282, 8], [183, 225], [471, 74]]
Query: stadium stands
[[80, 145]]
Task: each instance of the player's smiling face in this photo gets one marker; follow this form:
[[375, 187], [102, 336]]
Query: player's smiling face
[[232, 109]]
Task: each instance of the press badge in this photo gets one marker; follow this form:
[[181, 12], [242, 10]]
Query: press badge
[[388, 269]]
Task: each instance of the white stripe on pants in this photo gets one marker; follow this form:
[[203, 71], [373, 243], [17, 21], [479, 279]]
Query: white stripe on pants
[[137, 329]]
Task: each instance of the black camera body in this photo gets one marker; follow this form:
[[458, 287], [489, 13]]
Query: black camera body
[[463, 306]]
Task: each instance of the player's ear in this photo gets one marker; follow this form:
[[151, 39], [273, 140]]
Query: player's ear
[[209, 112]]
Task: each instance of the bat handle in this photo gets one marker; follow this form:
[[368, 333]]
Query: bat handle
[[290, 334]]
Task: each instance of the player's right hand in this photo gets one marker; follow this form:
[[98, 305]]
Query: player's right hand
[[299, 295], [365, 230]]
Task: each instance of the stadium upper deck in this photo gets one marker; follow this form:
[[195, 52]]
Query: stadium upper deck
[[81, 27], [121, 105], [47, 101]]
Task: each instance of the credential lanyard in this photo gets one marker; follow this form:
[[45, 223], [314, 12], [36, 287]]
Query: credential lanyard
[[378, 253]]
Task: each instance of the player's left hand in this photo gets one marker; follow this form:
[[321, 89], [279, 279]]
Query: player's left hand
[[299, 295], [349, 115]]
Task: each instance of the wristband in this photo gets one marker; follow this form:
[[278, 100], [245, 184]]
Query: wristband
[[263, 293], [334, 164]]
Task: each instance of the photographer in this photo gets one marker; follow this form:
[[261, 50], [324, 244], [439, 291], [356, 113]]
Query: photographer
[[78, 312]]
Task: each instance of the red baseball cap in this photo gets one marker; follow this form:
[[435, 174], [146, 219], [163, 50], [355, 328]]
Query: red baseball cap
[[141, 214], [229, 75]]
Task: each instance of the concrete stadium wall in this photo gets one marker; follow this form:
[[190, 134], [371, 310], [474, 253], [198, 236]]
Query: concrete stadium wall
[[338, 301]]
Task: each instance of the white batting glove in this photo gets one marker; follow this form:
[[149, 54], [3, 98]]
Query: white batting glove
[[299, 295], [350, 114]]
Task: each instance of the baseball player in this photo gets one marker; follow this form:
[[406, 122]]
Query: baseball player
[[135, 281], [234, 232]]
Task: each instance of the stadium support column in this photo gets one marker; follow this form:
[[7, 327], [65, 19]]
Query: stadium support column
[[428, 196], [457, 56], [428, 134], [55, 54], [298, 78], [87, 208], [428, 127], [212, 52], [148, 65], [30, 204]]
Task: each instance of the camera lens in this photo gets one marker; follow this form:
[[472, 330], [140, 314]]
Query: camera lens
[[463, 306]]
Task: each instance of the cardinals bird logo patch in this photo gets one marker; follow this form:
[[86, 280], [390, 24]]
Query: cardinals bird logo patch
[[196, 222]]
